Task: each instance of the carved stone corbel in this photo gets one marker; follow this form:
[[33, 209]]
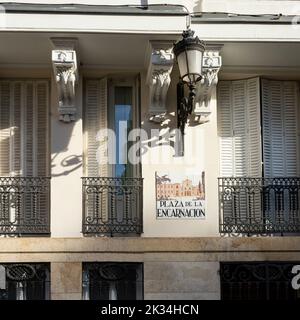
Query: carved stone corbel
[[158, 78], [64, 60], [211, 65]]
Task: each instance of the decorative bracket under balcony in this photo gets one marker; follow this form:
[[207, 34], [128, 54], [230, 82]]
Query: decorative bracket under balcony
[[64, 60], [158, 78], [212, 62]]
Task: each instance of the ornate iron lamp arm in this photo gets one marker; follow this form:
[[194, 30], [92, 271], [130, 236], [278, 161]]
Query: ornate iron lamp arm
[[184, 109]]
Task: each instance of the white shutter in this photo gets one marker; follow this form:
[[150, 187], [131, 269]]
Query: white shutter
[[254, 128], [41, 142], [225, 128], [92, 124], [4, 128], [24, 128], [96, 119], [103, 149], [239, 109], [291, 105], [16, 107], [41, 118], [280, 141], [28, 131], [239, 128]]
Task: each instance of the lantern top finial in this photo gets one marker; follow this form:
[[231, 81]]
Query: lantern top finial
[[189, 42]]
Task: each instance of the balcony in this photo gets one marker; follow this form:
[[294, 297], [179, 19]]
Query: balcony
[[112, 206], [259, 205], [24, 206]]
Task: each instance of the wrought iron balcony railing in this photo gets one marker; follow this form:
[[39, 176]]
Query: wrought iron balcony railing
[[112, 206], [259, 205], [24, 205]]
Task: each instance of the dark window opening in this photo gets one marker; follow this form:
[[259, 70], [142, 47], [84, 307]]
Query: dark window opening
[[30, 281], [112, 281], [258, 281]]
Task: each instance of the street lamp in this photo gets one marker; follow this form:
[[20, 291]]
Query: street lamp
[[189, 54]]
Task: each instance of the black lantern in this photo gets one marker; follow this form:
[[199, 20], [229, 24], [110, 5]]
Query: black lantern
[[189, 54]]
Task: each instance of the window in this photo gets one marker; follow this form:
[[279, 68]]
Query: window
[[122, 124], [112, 281], [24, 128], [113, 187], [110, 104], [30, 281], [259, 156], [258, 123], [25, 187], [258, 281]]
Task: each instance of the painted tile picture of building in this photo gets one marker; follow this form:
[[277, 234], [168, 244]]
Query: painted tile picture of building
[[179, 196], [169, 186]]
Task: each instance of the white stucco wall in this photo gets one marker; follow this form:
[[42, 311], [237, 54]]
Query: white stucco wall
[[67, 139], [66, 169], [201, 153]]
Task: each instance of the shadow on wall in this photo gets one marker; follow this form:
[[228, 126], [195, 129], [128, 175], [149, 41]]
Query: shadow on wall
[[62, 137], [144, 3], [70, 163], [164, 135], [198, 6]]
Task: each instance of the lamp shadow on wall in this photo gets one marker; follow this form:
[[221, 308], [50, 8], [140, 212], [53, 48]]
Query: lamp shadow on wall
[[144, 3], [165, 136], [70, 163], [199, 6]]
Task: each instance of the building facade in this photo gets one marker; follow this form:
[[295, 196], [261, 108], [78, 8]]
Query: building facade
[[88, 153]]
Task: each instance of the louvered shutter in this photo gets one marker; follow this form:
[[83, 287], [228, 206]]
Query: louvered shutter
[[28, 130], [291, 118], [92, 124], [96, 145], [96, 119], [41, 145], [5, 130], [280, 129], [254, 128], [225, 128], [24, 141], [239, 128], [103, 148], [102, 142], [28, 147], [24, 128], [16, 111], [35, 128], [35, 151], [240, 142], [240, 147]]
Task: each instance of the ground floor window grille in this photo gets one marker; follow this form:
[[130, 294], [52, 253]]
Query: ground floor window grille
[[258, 281], [112, 281], [25, 281]]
